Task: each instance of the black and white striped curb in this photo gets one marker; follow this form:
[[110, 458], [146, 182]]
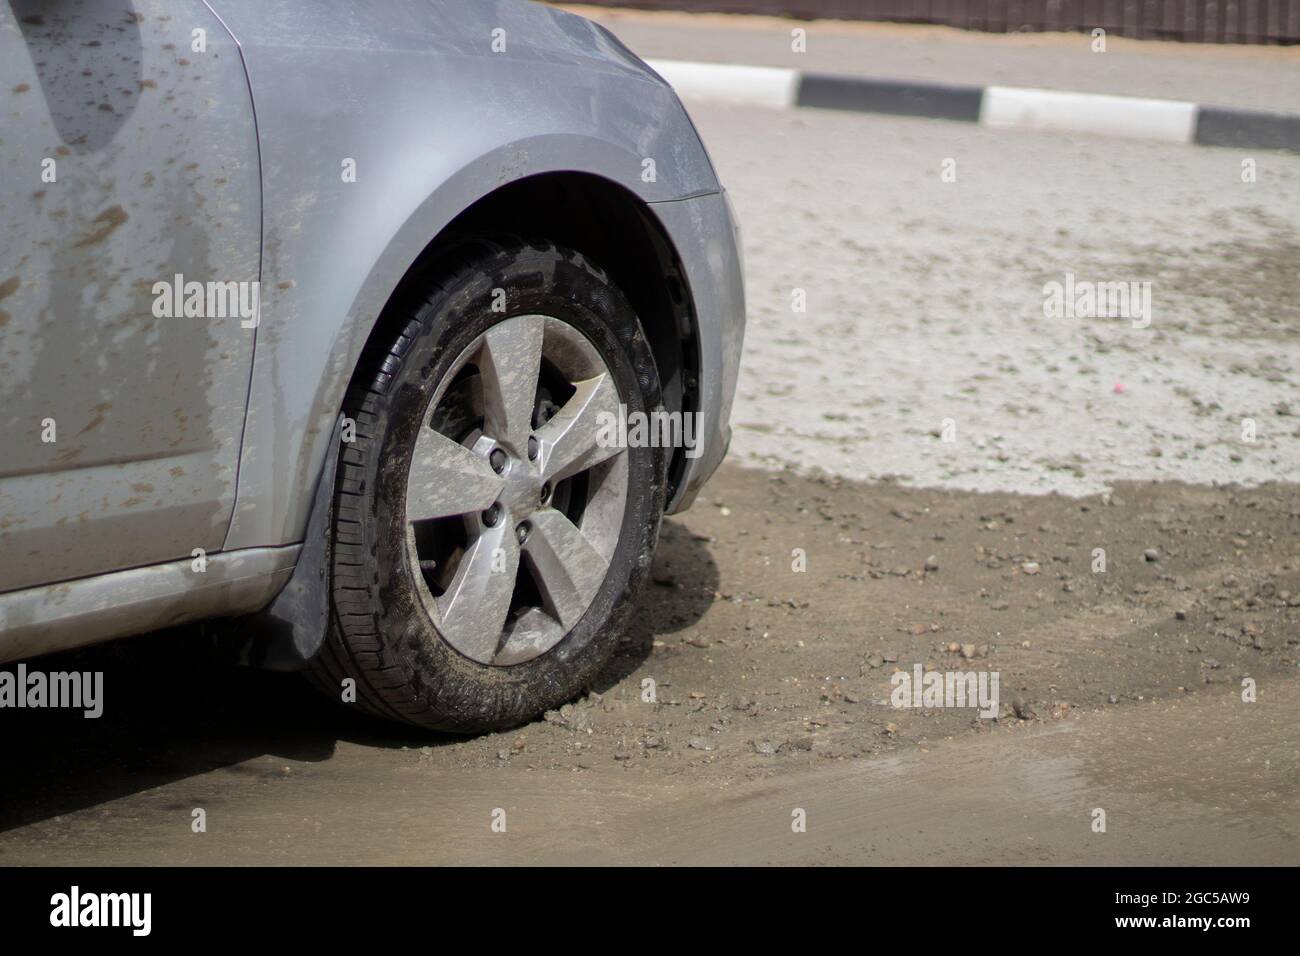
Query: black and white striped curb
[[1001, 107]]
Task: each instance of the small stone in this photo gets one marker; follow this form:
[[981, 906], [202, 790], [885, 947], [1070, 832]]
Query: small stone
[[1151, 554], [932, 563], [699, 743]]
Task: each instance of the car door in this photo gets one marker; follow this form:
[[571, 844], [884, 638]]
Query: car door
[[129, 256]]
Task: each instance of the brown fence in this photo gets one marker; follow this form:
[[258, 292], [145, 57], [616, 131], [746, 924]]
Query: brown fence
[[1206, 21]]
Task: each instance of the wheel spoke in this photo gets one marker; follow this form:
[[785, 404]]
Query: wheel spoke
[[533, 633], [510, 362], [448, 479], [474, 607], [567, 568], [573, 440]]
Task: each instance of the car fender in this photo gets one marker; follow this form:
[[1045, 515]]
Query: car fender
[[371, 143]]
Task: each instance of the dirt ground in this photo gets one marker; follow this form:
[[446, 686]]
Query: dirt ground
[[771, 685]]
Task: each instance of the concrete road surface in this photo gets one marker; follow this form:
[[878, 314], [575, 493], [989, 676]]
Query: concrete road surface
[[1252, 77], [925, 300]]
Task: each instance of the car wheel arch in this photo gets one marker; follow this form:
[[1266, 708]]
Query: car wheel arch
[[618, 230], [371, 259], [621, 233]]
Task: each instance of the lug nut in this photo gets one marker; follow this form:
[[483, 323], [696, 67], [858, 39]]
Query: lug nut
[[492, 515], [532, 447], [546, 492], [498, 460], [521, 532]]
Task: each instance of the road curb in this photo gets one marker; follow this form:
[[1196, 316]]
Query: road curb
[[998, 107]]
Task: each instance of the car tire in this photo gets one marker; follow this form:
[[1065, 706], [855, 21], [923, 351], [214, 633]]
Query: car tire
[[413, 609]]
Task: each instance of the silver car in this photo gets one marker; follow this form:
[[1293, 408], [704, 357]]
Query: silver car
[[386, 331]]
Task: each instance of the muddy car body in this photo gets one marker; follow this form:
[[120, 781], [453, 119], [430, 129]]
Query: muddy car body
[[238, 220]]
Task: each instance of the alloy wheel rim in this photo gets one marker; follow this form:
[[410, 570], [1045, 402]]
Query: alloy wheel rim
[[514, 503]]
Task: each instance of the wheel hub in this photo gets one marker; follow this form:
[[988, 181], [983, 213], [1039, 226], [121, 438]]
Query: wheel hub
[[521, 492]]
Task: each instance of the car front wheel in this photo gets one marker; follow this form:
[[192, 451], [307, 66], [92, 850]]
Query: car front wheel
[[490, 530]]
